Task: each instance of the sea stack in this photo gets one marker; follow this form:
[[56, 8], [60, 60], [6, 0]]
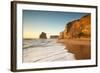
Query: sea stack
[[54, 37], [43, 35]]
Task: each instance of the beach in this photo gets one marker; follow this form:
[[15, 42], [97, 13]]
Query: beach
[[80, 47], [45, 50], [51, 50]]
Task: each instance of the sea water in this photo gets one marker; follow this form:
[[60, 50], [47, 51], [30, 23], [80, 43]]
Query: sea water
[[45, 50]]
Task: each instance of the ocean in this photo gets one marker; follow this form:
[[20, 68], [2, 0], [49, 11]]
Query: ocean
[[44, 50]]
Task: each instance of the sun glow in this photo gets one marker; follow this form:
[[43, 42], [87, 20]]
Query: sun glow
[[30, 35]]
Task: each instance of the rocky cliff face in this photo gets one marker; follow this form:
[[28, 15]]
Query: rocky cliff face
[[77, 28]]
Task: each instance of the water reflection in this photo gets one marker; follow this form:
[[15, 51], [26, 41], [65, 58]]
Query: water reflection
[[80, 51]]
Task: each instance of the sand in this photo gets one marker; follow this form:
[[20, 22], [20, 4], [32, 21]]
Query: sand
[[80, 47]]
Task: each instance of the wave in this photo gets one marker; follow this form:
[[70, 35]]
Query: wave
[[43, 50]]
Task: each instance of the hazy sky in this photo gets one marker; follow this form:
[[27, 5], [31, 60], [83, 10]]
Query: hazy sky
[[50, 22]]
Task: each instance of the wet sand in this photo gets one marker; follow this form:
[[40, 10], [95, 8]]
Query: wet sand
[[81, 47]]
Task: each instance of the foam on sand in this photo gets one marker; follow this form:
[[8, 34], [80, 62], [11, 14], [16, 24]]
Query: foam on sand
[[47, 50]]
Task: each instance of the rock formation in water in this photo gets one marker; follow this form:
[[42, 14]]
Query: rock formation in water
[[77, 28], [43, 35], [54, 36]]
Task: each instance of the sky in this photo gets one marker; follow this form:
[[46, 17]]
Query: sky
[[50, 22]]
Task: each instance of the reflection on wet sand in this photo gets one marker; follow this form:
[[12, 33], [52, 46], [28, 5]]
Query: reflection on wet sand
[[80, 48]]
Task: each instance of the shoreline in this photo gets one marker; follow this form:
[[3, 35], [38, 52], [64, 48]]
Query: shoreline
[[81, 47], [45, 51]]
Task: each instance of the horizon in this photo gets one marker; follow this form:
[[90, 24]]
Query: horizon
[[50, 22]]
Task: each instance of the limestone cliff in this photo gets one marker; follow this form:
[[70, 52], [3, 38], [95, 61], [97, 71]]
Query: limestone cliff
[[77, 28]]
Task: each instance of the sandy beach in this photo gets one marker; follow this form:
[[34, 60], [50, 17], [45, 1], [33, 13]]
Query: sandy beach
[[80, 47]]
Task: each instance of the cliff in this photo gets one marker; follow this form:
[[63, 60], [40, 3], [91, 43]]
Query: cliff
[[77, 28]]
